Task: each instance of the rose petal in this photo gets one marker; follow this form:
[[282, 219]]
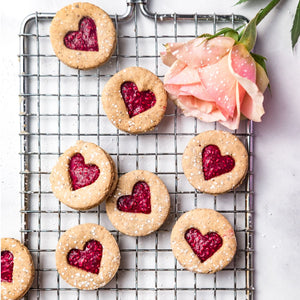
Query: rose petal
[[262, 79], [220, 85], [203, 110], [251, 109], [186, 76], [199, 52], [197, 90], [242, 63], [233, 123], [175, 69], [194, 103], [239, 53], [173, 90]]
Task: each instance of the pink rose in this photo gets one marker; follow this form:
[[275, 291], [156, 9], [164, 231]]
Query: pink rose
[[215, 80]]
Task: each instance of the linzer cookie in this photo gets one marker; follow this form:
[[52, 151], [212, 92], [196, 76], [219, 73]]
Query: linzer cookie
[[215, 162], [84, 176], [203, 241], [134, 100], [82, 35], [87, 256], [140, 203], [17, 270]]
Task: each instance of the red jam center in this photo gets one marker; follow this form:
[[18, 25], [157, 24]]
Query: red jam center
[[204, 246], [138, 201], [88, 259], [136, 101], [214, 164], [7, 265], [80, 173], [85, 39]]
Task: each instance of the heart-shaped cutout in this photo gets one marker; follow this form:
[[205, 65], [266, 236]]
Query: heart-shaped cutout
[[80, 173], [204, 246], [7, 266], [136, 102], [214, 164], [85, 39], [138, 201], [88, 259]]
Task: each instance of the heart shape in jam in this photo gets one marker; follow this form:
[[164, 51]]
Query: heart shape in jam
[[136, 102], [80, 173], [7, 265], [214, 164], [88, 259], [85, 39], [204, 246], [138, 201]]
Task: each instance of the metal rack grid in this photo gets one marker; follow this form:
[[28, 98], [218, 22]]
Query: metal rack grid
[[59, 105]]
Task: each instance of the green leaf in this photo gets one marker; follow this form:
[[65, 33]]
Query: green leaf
[[233, 34], [220, 32], [260, 60], [263, 12], [241, 1], [295, 32], [248, 37], [204, 35]]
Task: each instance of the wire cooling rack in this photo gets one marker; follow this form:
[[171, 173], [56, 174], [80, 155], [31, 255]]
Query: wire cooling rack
[[59, 105]]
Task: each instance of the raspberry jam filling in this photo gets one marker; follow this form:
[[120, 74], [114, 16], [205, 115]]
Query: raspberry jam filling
[[138, 201], [85, 39], [7, 265], [136, 101], [80, 173], [214, 164], [88, 259], [204, 246]]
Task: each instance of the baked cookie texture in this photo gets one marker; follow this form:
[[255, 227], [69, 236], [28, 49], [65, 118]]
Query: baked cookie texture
[[229, 145], [93, 194], [67, 20], [139, 223], [76, 238], [116, 110], [22, 272], [206, 221]]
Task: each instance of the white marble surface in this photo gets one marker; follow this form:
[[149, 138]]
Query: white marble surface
[[277, 138]]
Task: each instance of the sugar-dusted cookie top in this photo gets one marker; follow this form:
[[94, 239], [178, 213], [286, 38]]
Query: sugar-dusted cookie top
[[87, 256], [215, 162], [140, 203], [82, 35], [134, 100], [17, 269], [203, 241], [84, 176]]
